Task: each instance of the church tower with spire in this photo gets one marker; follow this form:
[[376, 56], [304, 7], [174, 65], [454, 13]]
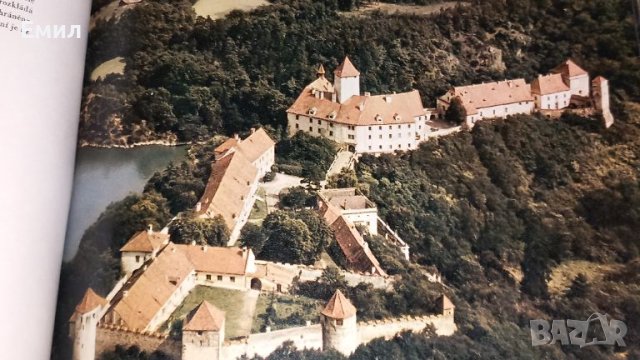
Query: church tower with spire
[[346, 81], [339, 325]]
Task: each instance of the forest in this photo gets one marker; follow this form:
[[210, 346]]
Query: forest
[[496, 210]]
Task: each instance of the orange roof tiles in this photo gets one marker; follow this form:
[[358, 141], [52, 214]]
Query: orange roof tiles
[[599, 80], [145, 241], [226, 146], [220, 260], [492, 94], [339, 307], [90, 302], [549, 84], [569, 69], [205, 317], [228, 187], [148, 290], [356, 251], [389, 109], [254, 146], [346, 69], [445, 303]]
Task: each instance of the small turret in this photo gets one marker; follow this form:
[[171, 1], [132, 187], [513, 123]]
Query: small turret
[[83, 325], [320, 72], [339, 325], [203, 333], [445, 306]]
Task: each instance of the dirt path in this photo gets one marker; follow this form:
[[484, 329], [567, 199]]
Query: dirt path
[[406, 9]]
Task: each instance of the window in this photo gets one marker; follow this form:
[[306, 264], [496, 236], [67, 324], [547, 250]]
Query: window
[[219, 277], [330, 133], [390, 127], [399, 135], [390, 147], [399, 146], [399, 126], [318, 129], [369, 147], [369, 128], [380, 146], [232, 278], [351, 137], [339, 322], [369, 137], [409, 146], [409, 126], [208, 277], [390, 136], [379, 136], [137, 258], [379, 127], [330, 124], [409, 134], [297, 117], [319, 122], [310, 128], [297, 126]]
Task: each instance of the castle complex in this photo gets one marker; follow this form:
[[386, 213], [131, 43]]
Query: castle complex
[[376, 124]]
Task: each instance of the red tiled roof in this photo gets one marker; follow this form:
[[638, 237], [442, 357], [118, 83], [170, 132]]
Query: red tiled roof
[[389, 109], [549, 84], [226, 146], [90, 302], [492, 94], [205, 317], [346, 69], [148, 290], [339, 307], [599, 80], [357, 253], [228, 187], [254, 146], [569, 69], [145, 241], [220, 260]]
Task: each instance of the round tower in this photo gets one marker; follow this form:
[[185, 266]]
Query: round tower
[[203, 333], [83, 325], [339, 326]]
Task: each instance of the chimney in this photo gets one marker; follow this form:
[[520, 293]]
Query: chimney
[[253, 130], [204, 248], [193, 243], [387, 99], [198, 206], [236, 136], [366, 93], [125, 293], [149, 229]]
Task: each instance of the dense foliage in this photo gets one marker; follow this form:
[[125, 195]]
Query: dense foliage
[[306, 156], [187, 229], [190, 77]]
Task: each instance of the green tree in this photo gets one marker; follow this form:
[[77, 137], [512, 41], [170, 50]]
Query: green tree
[[289, 240], [203, 231], [346, 178], [253, 237], [456, 112]]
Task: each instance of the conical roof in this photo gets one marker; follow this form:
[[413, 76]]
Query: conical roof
[[205, 317], [346, 69], [339, 307], [320, 71], [89, 302]]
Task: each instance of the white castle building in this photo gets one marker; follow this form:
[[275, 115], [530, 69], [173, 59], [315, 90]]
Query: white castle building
[[365, 123]]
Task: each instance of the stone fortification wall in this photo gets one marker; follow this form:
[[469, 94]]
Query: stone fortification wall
[[108, 337]]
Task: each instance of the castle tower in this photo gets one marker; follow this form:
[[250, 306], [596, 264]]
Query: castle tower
[[575, 77], [445, 306], [83, 325], [339, 327], [203, 333], [346, 81], [600, 95], [141, 247]]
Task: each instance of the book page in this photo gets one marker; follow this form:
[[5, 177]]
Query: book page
[[40, 86]]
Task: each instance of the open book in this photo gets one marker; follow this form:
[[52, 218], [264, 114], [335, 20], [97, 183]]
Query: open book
[[303, 179]]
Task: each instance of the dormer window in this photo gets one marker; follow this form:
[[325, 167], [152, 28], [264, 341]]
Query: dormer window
[[379, 118], [332, 115], [312, 111], [397, 117]]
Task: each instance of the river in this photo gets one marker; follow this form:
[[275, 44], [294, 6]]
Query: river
[[104, 176]]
